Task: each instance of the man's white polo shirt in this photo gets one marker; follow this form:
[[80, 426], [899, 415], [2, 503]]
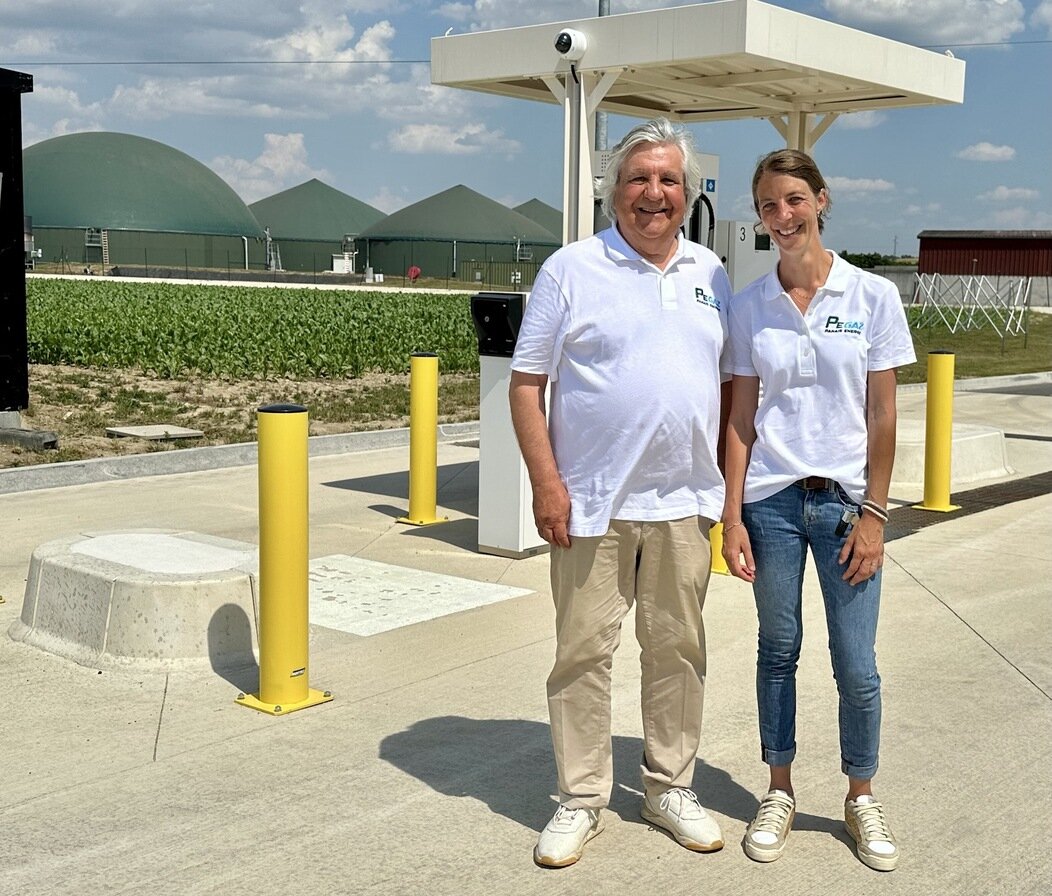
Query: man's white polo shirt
[[632, 354], [813, 368]]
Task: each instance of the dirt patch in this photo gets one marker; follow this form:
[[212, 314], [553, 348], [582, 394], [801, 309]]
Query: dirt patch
[[79, 404]]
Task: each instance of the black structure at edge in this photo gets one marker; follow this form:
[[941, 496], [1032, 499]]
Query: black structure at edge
[[14, 340]]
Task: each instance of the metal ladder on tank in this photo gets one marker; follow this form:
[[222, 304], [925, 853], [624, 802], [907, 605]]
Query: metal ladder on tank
[[105, 250], [273, 252]]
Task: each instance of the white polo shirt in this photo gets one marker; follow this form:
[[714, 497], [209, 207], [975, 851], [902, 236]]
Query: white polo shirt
[[632, 354], [813, 370]]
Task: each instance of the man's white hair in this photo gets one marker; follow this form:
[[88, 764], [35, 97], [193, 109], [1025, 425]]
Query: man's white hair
[[659, 132]]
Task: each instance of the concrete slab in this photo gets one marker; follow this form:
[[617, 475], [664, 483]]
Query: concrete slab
[[364, 597], [186, 553], [157, 432], [34, 439]]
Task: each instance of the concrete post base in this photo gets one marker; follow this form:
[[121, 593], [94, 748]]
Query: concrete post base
[[977, 453], [150, 599]]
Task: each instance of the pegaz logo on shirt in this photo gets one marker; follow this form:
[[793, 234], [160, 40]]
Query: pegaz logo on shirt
[[703, 298], [835, 325]]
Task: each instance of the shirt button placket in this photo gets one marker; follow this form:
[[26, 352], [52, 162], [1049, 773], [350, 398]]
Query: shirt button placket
[[807, 353]]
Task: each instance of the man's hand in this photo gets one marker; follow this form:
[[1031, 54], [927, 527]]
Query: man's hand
[[551, 501], [551, 512]]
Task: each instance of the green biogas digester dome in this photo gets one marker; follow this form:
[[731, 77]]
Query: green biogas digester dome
[[147, 198], [122, 182]]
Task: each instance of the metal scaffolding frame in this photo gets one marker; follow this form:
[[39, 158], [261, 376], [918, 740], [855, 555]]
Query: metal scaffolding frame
[[967, 302]]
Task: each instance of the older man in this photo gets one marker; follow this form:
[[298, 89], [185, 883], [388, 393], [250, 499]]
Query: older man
[[628, 327]]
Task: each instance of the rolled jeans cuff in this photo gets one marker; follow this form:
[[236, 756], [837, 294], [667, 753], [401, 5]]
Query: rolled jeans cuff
[[863, 773], [778, 757]]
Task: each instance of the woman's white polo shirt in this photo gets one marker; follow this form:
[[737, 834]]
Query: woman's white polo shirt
[[813, 369]]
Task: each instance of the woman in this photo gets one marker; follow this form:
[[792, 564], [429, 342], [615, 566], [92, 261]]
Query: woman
[[809, 466]]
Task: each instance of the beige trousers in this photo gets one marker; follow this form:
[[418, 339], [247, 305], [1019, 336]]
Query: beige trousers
[[663, 569]]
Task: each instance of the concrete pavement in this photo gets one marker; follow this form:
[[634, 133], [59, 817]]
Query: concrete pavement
[[431, 772]]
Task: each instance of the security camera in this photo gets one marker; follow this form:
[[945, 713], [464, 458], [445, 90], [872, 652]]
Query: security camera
[[571, 44]]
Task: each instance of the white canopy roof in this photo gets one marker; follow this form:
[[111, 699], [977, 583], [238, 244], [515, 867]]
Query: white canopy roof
[[713, 61], [722, 60]]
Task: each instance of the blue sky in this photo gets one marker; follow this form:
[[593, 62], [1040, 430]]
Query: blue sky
[[364, 117]]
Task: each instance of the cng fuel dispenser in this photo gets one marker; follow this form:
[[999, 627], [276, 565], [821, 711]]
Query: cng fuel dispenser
[[700, 227], [506, 525], [745, 254]]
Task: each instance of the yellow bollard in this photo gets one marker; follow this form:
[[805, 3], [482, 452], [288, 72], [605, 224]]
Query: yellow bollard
[[283, 564], [423, 441], [938, 433], [719, 565]]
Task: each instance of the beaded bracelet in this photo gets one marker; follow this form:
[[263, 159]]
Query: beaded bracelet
[[727, 528]]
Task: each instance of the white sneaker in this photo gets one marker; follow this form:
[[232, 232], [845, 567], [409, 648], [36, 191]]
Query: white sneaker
[[680, 813], [868, 825], [563, 838], [765, 836]]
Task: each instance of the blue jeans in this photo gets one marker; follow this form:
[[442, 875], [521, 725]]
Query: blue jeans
[[781, 528]]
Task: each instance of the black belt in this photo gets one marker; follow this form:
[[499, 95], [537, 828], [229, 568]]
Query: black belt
[[816, 484]]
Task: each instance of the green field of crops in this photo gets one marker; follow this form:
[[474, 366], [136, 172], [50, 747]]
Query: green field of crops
[[170, 329]]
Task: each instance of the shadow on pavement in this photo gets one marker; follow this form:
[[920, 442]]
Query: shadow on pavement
[[457, 486], [508, 765], [230, 641]]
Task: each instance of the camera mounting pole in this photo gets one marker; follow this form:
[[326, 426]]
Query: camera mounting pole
[[579, 93]]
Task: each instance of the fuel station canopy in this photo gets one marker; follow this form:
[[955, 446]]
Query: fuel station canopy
[[724, 60]]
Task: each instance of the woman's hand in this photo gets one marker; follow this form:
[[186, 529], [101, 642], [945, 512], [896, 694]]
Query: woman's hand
[[737, 552], [863, 551]]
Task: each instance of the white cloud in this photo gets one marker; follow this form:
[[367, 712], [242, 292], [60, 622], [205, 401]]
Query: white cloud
[[282, 164], [156, 98], [740, 206], [929, 208], [862, 121], [64, 100], [1022, 219], [421, 101], [454, 12], [987, 152], [29, 46], [1042, 17], [328, 40], [349, 63], [59, 127], [440, 139], [1009, 194], [933, 22], [66, 114], [853, 186], [387, 201]]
